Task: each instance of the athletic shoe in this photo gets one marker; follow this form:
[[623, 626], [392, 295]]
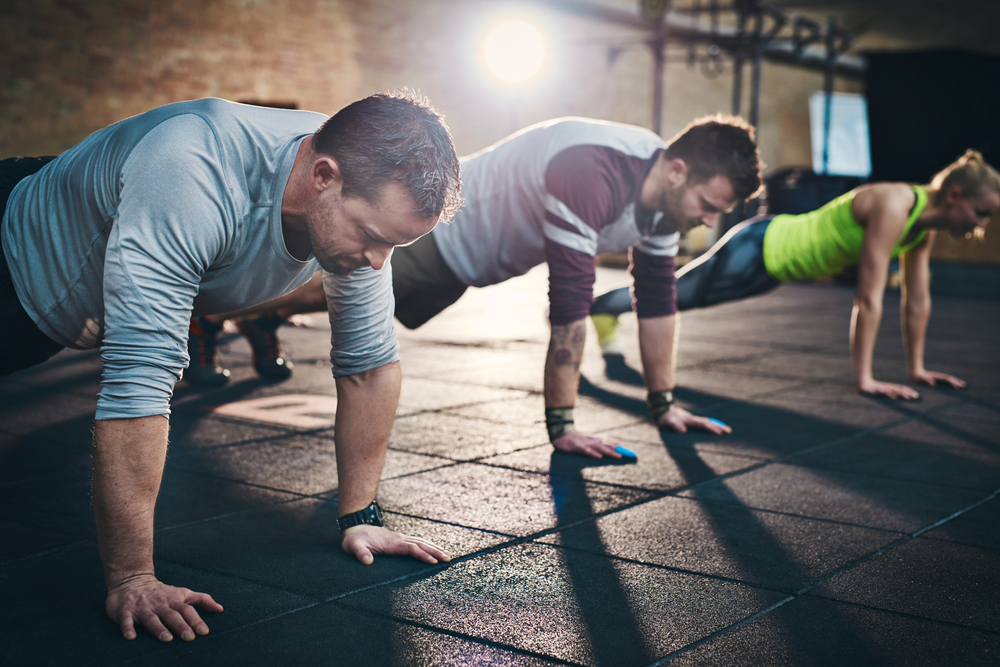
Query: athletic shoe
[[203, 368], [267, 359], [607, 333]]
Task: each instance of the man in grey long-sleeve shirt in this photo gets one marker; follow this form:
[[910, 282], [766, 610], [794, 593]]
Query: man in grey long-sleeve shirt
[[202, 207]]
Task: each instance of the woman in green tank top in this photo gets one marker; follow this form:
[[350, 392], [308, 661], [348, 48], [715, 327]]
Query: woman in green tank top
[[868, 226]]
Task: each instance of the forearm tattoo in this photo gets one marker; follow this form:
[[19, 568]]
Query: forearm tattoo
[[566, 344]]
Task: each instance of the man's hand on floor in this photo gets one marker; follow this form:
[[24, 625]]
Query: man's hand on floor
[[587, 445], [364, 541], [164, 610], [680, 420]]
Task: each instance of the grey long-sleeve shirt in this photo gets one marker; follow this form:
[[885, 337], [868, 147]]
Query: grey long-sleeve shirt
[[170, 213]]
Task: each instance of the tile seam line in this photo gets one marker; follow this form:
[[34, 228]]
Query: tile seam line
[[853, 564], [901, 614]]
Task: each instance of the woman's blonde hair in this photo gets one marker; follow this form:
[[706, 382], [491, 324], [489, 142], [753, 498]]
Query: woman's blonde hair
[[970, 173]]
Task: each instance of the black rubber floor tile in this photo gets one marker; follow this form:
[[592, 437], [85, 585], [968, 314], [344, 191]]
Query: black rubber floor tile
[[938, 580], [527, 411], [792, 365], [758, 431], [70, 371], [31, 457], [461, 438], [839, 404], [572, 606], [63, 502], [974, 413], [731, 386], [657, 467], [22, 541], [300, 464], [864, 500], [50, 415], [897, 458], [293, 546], [200, 430], [422, 394], [62, 620], [331, 634], [977, 527], [936, 429], [808, 631], [501, 500], [771, 550]]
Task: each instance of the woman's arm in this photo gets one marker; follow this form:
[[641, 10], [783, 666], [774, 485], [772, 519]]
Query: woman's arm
[[883, 210], [915, 312]]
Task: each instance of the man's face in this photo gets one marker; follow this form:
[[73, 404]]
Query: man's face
[[348, 233], [687, 206], [966, 214]]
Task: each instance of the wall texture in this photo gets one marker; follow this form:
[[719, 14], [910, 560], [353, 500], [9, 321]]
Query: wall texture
[[69, 67]]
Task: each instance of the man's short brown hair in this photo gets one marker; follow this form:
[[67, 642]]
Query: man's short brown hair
[[720, 144]]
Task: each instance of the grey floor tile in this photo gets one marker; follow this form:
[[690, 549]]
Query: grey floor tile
[[938, 580], [772, 550], [849, 498], [808, 631], [571, 606], [501, 500]]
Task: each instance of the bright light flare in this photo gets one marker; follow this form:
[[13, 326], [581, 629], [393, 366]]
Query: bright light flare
[[514, 51]]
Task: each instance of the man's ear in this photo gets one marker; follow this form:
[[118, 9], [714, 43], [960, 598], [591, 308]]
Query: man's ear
[[326, 173], [677, 172]]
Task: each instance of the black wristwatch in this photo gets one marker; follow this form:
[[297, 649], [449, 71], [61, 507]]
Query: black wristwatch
[[371, 514]]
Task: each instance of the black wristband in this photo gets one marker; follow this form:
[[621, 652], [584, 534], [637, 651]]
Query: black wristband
[[659, 403], [370, 515], [559, 422]]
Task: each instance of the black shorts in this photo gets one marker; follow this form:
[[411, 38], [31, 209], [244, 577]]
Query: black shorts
[[22, 343]]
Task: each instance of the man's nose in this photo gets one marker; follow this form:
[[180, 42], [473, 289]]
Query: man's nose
[[378, 255]]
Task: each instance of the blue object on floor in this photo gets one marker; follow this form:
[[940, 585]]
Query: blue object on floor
[[626, 453]]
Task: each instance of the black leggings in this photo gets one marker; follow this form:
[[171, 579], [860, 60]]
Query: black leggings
[[22, 344], [732, 269]]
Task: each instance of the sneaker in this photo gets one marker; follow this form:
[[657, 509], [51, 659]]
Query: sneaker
[[607, 333], [267, 359], [203, 368]]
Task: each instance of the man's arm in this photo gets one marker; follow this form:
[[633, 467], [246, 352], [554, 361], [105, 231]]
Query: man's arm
[[129, 455], [562, 378], [658, 342], [915, 312], [884, 210], [366, 405]]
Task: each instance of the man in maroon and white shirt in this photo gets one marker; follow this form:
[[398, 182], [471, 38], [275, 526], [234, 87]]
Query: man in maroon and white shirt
[[561, 192]]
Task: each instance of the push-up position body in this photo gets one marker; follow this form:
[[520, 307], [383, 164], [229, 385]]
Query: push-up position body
[[867, 226], [203, 207]]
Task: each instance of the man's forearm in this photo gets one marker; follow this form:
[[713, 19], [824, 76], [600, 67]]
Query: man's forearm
[[562, 363], [658, 337], [129, 455], [366, 406]]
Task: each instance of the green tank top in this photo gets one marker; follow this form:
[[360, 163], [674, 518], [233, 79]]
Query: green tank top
[[822, 242]]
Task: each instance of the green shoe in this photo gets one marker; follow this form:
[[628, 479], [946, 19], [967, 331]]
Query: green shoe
[[607, 333]]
